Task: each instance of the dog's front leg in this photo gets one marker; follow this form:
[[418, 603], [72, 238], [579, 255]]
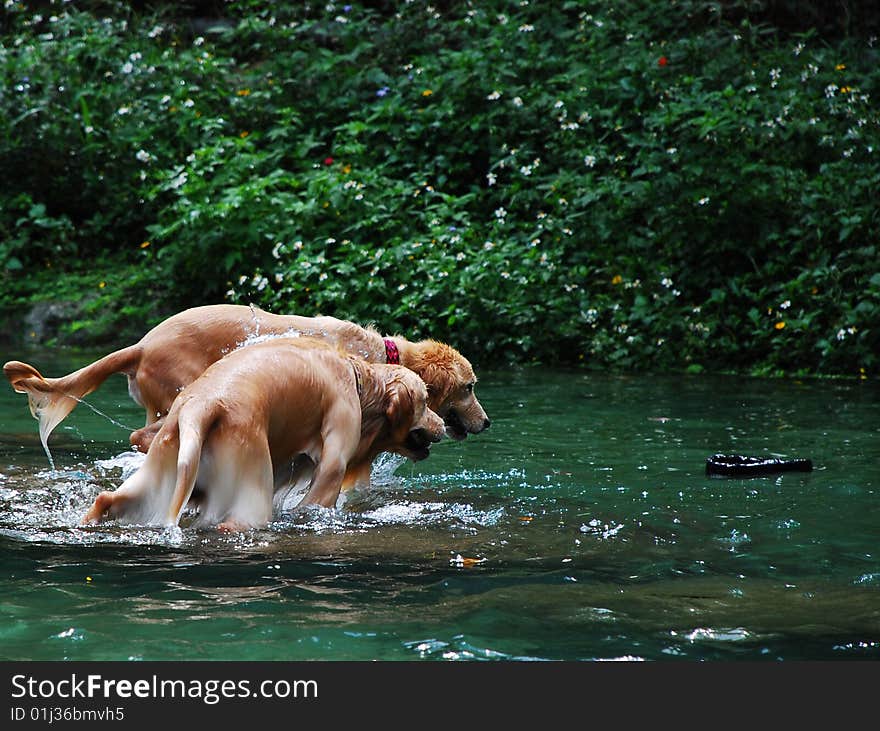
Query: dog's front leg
[[357, 475], [327, 481]]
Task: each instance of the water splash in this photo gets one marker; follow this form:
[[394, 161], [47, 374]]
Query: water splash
[[106, 416], [127, 462], [256, 319], [384, 467], [257, 338]]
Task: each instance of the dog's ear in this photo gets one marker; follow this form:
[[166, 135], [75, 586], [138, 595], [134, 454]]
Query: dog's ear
[[439, 381], [400, 405]]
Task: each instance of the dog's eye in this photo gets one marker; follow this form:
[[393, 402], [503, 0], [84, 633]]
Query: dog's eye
[[469, 388]]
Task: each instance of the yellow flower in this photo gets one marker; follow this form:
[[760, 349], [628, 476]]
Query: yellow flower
[[243, 92], [347, 169], [427, 92], [145, 244], [243, 134], [101, 285], [779, 325], [845, 90], [617, 279], [840, 67]]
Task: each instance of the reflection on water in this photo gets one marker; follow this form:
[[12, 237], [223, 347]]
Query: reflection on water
[[580, 526]]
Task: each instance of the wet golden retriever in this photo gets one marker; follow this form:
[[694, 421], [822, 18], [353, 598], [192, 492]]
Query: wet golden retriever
[[178, 350], [236, 427]]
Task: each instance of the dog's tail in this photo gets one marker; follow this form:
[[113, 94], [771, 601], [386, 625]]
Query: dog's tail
[[194, 422], [52, 399]]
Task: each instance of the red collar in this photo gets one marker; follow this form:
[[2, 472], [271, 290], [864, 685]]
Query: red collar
[[392, 354]]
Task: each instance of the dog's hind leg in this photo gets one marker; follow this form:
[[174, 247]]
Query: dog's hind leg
[[141, 499], [239, 483], [143, 437]]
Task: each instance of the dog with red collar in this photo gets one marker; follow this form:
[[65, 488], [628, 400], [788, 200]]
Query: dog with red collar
[[178, 350]]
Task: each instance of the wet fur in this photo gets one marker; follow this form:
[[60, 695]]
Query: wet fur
[[232, 434], [178, 350]]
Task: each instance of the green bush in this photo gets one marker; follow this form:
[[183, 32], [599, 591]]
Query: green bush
[[572, 182]]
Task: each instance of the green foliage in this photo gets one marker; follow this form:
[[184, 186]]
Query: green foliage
[[578, 181]]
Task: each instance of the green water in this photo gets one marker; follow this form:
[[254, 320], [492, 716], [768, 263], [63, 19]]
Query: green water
[[584, 522]]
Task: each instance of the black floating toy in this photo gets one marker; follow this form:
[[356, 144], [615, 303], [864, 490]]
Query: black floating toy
[[738, 466]]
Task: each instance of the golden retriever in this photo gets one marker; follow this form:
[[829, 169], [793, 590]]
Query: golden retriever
[[251, 413], [178, 350]]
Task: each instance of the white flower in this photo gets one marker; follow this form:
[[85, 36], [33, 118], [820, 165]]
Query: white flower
[[491, 179], [526, 28], [500, 213], [142, 156], [494, 95], [123, 110], [178, 180], [517, 101], [590, 160], [703, 201], [127, 67], [785, 305]]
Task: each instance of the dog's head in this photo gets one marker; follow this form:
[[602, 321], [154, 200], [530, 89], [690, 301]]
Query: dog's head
[[412, 426], [450, 381]]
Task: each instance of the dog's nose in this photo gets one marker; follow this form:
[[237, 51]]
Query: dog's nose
[[486, 423]]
